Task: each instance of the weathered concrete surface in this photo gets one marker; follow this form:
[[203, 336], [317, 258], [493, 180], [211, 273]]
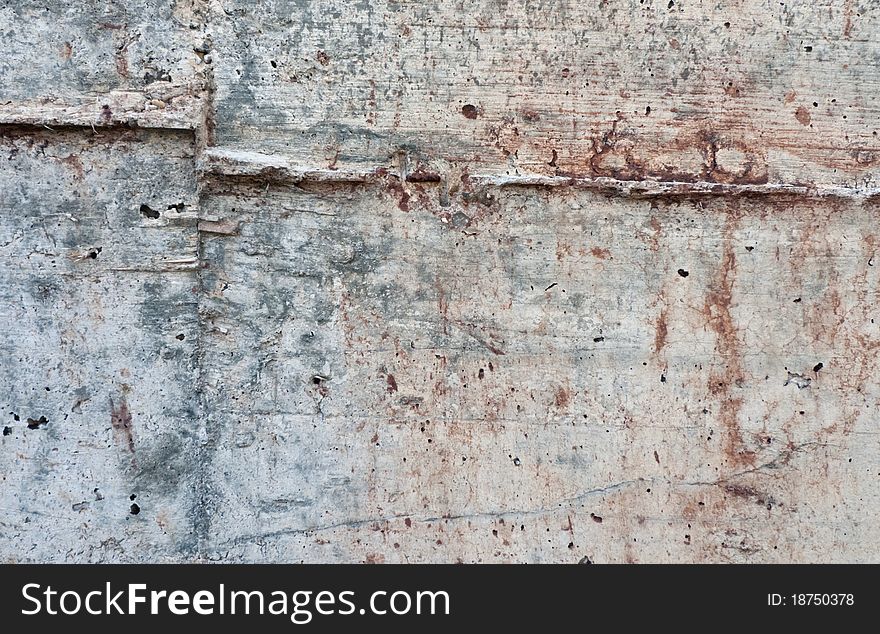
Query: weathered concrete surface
[[751, 91], [98, 301], [417, 282]]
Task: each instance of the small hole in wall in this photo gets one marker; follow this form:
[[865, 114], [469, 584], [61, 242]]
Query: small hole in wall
[[36, 423], [149, 212], [180, 337], [135, 509], [683, 273], [93, 253], [470, 111]]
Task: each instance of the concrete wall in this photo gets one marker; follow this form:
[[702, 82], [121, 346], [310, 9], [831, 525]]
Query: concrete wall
[[407, 281]]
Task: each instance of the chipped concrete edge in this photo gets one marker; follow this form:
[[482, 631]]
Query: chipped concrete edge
[[233, 163]]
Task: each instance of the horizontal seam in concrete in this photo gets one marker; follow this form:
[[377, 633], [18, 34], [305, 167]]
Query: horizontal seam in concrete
[[276, 168]]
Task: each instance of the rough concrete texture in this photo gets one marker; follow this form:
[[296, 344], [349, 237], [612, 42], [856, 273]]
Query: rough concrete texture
[[439, 281]]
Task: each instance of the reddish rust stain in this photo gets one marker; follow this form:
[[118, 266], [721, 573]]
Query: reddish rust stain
[[375, 558], [121, 63], [753, 172], [73, 161], [443, 306], [620, 154], [332, 164], [717, 311], [790, 96], [654, 240], [122, 41], [742, 491], [408, 522], [660, 331], [477, 335], [395, 187], [530, 114], [66, 51], [847, 18], [600, 253], [563, 250], [371, 100], [802, 115], [751, 493], [392, 383], [422, 176], [120, 420], [562, 397]]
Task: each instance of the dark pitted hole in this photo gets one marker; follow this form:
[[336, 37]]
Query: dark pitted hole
[[149, 212], [683, 273], [36, 423], [135, 509], [817, 367], [470, 111]]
